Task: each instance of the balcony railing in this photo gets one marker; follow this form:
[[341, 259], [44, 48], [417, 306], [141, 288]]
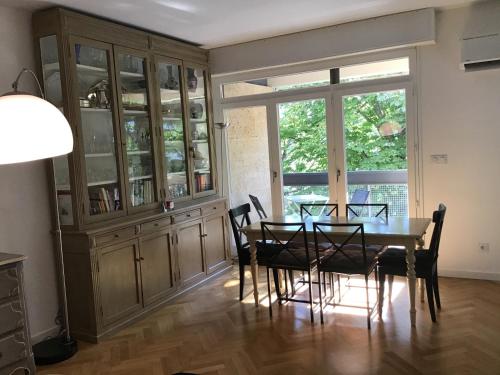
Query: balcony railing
[[389, 187]]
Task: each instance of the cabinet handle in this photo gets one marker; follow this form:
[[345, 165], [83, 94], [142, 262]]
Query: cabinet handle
[[204, 235], [141, 258], [188, 215]]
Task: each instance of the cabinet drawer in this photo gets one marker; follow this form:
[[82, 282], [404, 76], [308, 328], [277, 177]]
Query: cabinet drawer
[[212, 208], [155, 225], [12, 349], [11, 317], [118, 235], [179, 218], [9, 283]]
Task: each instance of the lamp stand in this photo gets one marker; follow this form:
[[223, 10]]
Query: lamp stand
[[62, 346]]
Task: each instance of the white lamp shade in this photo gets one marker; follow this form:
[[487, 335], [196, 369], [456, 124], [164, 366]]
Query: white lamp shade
[[31, 128]]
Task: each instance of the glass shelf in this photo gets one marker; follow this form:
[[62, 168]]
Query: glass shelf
[[100, 155]]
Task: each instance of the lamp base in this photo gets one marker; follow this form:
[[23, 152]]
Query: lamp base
[[54, 350]]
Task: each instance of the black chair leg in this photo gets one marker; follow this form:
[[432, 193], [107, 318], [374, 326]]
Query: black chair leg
[[311, 296], [292, 281], [368, 315], [319, 290], [269, 293], [242, 280], [277, 284], [435, 287], [430, 297], [381, 280]]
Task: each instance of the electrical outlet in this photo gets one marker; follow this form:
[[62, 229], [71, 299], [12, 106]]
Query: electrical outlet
[[484, 246]]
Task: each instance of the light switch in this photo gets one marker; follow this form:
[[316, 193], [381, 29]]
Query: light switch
[[439, 159]]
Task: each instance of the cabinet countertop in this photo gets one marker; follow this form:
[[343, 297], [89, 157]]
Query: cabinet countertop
[[6, 258]]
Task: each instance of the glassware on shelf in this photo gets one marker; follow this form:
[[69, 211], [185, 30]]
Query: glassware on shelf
[[175, 173], [101, 164], [137, 127], [199, 130]]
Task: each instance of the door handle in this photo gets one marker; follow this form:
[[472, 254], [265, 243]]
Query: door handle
[[338, 175]]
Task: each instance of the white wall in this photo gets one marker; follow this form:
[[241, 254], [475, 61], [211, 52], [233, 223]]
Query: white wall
[[460, 116], [24, 205]]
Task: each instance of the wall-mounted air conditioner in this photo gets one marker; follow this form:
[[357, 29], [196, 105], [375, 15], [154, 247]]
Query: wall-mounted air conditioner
[[481, 52]]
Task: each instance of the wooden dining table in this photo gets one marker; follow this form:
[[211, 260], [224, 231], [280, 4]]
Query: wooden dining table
[[396, 231]]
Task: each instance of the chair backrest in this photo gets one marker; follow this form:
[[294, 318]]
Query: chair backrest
[[239, 217], [319, 209], [359, 196], [258, 207], [295, 239], [438, 220], [367, 210], [341, 250]]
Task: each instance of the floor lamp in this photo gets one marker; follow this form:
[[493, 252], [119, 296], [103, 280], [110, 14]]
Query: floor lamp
[[31, 128]]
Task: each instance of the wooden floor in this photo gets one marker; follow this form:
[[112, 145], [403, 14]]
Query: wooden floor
[[208, 331]]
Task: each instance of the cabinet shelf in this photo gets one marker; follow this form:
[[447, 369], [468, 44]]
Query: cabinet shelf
[[146, 177], [92, 109], [200, 140], [147, 152], [100, 155], [134, 112], [100, 183], [198, 121]]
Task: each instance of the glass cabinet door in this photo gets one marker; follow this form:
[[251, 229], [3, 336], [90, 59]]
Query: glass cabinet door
[[99, 133], [199, 129], [173, 132], [136, 128], [51, 73]]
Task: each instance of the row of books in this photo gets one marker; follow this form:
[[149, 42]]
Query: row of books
[[141, 192], [203, 182], [104, 200]]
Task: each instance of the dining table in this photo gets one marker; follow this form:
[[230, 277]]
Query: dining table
[[395, 231]]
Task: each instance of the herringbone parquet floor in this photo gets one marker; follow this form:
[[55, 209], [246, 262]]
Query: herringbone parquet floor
[[208, 331]]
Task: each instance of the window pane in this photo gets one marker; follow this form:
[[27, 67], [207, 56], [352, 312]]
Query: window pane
[[282, 83], [375, 70]]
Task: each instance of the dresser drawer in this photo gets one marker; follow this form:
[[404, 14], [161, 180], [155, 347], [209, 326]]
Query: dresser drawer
[[9, 283], [115, 236], [213, 208], [11, 316], [193, 214], [12, 349], [155, 225]]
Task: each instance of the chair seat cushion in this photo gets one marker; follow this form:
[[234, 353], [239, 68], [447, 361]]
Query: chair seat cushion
[[352, 261], [393, 260], [277, 255]]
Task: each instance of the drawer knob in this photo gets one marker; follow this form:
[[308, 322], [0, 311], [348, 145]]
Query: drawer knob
[[117, 235], [156, 224], [188, 215]]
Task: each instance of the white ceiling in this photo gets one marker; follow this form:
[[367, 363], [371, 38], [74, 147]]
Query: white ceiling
[[213, 23]]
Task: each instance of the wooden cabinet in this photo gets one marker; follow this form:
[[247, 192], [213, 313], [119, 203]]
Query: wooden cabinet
[[215, 239], [157, 266], [119, 281], [140, 110], [190, 252]]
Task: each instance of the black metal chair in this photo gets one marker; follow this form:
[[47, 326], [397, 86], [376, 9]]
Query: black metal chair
[[393, 262], [353, 210], [239, 217], [319, 209], [291, 254], [258, 207], [346, 258]]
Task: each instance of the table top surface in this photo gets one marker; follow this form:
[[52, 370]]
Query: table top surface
[[11, 258], [394, 227]]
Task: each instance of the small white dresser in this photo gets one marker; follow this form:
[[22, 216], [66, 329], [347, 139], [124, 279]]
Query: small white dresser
[[16, 356]]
